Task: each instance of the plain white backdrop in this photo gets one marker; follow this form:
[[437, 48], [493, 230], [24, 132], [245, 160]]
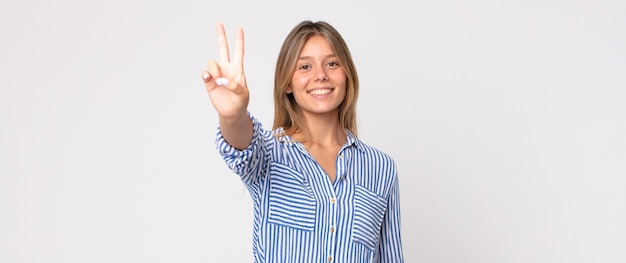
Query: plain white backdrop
[[507, 120]]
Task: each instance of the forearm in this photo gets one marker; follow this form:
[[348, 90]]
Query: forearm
[[237, 131], [391, 241]]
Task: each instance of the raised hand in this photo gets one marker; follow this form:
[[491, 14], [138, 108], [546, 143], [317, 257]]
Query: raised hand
[[230, 99], [228, 91]]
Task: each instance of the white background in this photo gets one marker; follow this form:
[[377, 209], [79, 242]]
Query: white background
[[507, 120]]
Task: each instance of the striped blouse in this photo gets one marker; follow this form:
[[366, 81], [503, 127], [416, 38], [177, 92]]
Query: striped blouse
[[301, 216]]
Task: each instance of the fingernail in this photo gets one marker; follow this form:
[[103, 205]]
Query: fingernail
[[205, 75], [222, 81]]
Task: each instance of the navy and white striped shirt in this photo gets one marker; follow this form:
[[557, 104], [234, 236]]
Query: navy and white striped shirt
[[301, 216]]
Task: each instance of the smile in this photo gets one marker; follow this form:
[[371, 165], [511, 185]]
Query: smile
[[320, 91]]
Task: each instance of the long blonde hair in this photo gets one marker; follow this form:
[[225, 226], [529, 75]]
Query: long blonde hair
[[287, 113]]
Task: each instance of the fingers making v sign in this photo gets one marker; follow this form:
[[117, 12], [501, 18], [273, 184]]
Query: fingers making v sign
[[224, 80]]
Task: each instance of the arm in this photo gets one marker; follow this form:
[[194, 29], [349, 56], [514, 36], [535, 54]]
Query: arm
[[237, 131], [390, 247], [230, 99], [249, 163]]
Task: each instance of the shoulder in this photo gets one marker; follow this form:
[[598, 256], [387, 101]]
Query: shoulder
[[375, 169], [374, 153]]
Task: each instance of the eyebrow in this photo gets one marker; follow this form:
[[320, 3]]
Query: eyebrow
[[326, 57]]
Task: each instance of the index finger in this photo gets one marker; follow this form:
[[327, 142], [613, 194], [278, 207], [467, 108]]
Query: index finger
[[222, 43], [239, 48]]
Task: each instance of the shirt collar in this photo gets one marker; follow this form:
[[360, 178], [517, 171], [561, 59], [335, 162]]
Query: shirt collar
[[353, 140], [283, 137]]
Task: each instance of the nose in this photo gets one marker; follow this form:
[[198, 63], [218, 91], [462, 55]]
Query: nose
[[320, 74]]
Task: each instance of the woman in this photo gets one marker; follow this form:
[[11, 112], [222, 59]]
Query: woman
[[319, 193]]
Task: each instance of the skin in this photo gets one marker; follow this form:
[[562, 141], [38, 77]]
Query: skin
[[230, 102], [318, 86]]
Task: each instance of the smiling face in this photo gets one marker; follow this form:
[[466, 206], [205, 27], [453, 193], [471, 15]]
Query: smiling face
[[318, 83], [308, 48]]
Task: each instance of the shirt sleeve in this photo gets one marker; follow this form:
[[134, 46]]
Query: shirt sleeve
[[391, 241], [249, 163]]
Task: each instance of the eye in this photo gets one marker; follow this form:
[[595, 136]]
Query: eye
[[304, 67], [332, 64]]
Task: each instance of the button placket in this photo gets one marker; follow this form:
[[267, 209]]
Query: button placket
[[333, 205], [340, 172], [332, 223], [340, 166]]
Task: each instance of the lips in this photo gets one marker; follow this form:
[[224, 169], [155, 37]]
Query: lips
[[322, 91]]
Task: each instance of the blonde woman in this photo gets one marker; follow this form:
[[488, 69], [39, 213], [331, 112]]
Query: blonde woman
[[320, 194]]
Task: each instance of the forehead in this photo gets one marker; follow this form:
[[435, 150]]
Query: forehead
[[316, 46]]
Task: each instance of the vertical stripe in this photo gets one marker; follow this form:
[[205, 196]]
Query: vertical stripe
[[301, 216]]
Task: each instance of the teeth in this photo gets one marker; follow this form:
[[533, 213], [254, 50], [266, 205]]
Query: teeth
[[320, 91]]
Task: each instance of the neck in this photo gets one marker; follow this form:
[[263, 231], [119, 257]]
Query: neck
[[324, 130]]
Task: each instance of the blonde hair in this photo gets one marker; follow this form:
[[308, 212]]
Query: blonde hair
[[287, 113]]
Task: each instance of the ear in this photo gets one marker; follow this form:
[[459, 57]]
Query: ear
[[288, 90]]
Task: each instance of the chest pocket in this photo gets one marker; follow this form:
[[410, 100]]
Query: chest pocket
[[291, 201], [369, 211]]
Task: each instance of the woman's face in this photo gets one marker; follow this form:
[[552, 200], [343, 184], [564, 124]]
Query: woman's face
[[319, 82]]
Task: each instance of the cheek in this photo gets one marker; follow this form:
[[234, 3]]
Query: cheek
[[340, 77], [298, 82], [301, 79], [342, 81]]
